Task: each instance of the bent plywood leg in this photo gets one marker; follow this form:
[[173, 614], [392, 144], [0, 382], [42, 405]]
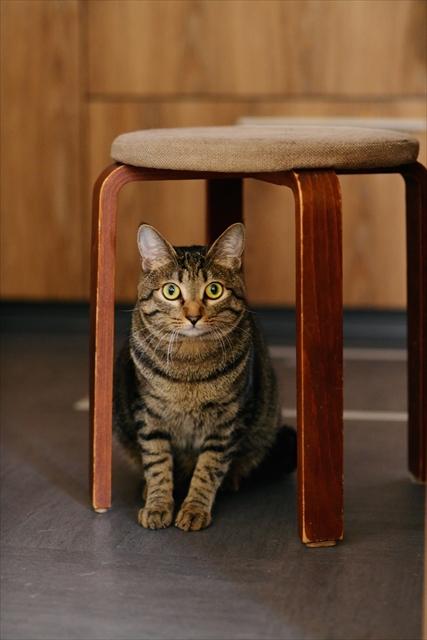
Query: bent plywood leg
[[319, 352], [224, 205], [102, 336], [102, 328], [416, 238], [319, 357]]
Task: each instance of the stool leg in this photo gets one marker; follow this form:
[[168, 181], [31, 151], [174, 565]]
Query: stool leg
[[319, 352], [416, 238], [319, 357], [102, 337], [224, 205], [103, 259]]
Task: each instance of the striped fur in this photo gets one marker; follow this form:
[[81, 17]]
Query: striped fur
[[194, 390]]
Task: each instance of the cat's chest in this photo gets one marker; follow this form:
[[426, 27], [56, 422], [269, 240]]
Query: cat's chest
[[191, 412], [188, 392], [189, 399]]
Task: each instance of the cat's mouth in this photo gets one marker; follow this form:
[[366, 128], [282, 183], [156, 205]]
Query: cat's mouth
[[193, 331]]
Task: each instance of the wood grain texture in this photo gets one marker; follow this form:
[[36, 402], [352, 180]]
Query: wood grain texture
[[255, 48], [319, 355], [42, 230], [102, 334], [319, 351]]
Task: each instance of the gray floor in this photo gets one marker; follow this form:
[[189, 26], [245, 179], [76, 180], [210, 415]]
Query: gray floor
[[70, 573]]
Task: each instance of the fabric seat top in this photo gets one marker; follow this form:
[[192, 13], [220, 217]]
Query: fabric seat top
[[254, 149]]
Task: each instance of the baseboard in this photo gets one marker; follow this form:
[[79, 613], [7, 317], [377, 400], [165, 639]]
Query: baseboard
[[362, 327]]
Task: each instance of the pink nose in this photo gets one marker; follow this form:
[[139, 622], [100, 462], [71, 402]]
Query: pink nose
[[193, 319]]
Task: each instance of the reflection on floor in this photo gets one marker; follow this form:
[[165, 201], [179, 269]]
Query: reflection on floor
[[70, 573]]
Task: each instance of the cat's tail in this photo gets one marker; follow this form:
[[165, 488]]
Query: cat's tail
[[281, 458]]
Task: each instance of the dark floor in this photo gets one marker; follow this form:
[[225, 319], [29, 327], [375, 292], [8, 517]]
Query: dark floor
[[69, 573]]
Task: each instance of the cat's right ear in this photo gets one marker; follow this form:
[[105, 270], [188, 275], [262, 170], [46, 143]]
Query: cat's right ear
[[154, 249], [228, 248]]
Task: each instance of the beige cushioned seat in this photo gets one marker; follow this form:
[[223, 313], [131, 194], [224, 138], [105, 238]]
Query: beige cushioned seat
[[264, 148]]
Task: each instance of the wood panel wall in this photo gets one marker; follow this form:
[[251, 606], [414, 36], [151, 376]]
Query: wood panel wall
[[133, 64], [41, 203], [246, 48]]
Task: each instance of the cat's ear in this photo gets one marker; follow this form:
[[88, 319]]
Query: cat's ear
[[154, 249], [228, 248]]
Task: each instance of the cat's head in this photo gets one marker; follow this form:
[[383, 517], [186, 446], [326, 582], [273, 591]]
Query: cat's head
[[193, 291]]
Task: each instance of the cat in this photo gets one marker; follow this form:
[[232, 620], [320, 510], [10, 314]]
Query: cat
[[194, 390]]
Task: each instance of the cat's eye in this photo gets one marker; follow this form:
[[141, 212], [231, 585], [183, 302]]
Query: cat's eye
[[171, 291], [214, 290]]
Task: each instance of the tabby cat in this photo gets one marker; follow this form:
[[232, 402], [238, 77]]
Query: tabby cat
[[194, 390]]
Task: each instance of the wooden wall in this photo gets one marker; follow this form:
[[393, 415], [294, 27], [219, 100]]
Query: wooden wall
[[80, 72], [41, 201]]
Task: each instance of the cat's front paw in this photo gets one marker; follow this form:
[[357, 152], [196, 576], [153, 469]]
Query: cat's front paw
[[192, 519], [155, 517]]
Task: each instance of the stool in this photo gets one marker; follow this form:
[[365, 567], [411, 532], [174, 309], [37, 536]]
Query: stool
[[306, 159]]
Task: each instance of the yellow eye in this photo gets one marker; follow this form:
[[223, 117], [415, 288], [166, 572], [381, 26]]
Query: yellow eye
[[214, 290], [171, 291]]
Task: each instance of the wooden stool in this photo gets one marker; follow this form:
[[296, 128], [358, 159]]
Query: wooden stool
[[306, 159]]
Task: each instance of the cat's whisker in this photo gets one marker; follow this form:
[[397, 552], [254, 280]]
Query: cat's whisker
[[137, 333], [161, 334], [227, 341], [170, 347], [243, 330], [255, 313], [229, 330], [162, 339]]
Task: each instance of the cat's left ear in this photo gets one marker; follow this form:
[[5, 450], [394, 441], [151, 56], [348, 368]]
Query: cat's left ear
[[154, 249], [228, 248]]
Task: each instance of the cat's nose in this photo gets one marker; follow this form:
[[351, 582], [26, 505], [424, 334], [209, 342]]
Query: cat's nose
[[193, 319]]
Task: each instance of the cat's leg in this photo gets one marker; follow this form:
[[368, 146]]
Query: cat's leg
[[240, 468], [144, 491], [158, 474], [212, 465], [232, 480]]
